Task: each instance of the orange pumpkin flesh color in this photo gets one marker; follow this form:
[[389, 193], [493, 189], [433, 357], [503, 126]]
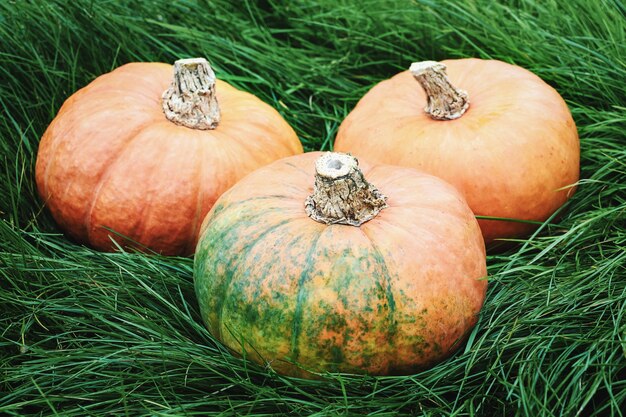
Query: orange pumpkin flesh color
[[504, 137], [120, 157], [393, 295]]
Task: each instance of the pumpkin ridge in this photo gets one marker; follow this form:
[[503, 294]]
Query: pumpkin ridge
[[386, 277], [141, 228], [225, 286], [87, 96], [52, 153], [233, 138], [300, 297], [105, 175], [233, 204], [199, 200], [429, 233], [299, 169], [276, 127], [241, 135]]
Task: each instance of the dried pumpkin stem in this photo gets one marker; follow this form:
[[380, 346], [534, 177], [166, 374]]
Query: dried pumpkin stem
[[445, 102], [341, 195], [190, 100]]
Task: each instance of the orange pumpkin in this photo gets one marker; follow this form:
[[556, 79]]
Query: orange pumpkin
[[507, 140], [123, 158], [307, 267]]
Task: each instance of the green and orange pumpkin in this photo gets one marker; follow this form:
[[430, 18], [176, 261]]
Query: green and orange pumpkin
[[307, 267], [124, 161]]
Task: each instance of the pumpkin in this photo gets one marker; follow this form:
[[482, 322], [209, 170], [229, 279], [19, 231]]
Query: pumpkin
[[306, 266], [504, 138], [125, 161]]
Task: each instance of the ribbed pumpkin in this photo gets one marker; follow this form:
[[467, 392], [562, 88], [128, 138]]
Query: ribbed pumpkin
[[504, 137], [123, 156], [308, 267]]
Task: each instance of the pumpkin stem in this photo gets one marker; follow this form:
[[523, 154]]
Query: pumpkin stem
[[445, 102], [190, 100], [341, 195]]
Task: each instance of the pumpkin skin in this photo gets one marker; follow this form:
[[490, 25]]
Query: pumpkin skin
[[111, 160], [392, 296], [514, 154]]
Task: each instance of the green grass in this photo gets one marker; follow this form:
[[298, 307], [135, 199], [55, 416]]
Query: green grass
[[87, 333]]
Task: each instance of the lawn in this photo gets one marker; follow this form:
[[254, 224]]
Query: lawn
[[90, 333]]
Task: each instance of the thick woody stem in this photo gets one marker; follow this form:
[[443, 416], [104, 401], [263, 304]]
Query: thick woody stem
[[190, 100], [341, 195], [445, 102]]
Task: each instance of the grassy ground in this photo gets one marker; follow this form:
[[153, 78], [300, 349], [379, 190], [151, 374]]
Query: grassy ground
[[86, 333]]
